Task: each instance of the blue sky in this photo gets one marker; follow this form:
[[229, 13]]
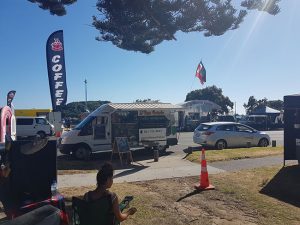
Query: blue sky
[[261, 58]]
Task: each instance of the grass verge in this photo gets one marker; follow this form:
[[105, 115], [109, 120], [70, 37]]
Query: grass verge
[[259, 196], [273, 192], [237, 153]]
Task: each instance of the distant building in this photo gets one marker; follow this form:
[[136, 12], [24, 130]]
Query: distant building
[[264, 118], [203, 107], [193, 111]]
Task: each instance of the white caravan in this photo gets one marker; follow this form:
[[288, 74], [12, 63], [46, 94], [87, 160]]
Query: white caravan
[[144, 124]]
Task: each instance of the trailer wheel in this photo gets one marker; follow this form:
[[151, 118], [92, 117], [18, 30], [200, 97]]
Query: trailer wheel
[[147, 148], [161, 148], [82, 152]]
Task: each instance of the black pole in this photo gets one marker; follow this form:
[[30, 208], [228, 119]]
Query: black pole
[[85, 84]]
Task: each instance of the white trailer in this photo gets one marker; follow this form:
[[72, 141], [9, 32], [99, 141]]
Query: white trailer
[[144, 124]]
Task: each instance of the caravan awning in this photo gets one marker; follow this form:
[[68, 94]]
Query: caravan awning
[[106, 108], [265, 110], [143, 106]]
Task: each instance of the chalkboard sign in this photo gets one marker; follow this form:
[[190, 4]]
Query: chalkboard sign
[[122, 144]]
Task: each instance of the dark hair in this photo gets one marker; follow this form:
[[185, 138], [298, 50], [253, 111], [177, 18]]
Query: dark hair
[[106, 172]]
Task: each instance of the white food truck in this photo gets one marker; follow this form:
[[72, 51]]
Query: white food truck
[[144, 124]]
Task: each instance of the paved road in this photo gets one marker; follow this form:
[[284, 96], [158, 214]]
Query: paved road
[[168, 166], [171, 165], [185, 139]]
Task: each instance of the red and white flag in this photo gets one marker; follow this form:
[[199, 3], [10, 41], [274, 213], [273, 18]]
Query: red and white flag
[[201, 73]]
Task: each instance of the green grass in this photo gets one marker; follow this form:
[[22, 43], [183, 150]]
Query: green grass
[[237, 153], [268, 195], [273, 192]]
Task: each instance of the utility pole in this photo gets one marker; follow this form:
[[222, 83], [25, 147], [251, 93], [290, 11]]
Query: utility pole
[[85, 84], [235, 110]]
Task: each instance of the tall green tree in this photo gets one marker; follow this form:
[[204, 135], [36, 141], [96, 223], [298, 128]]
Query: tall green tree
[[75, 109], [55, 7], [276, 104], [140, 25], [254, 104], [251, 105], [211, 93], [146, 101], [262, 102]]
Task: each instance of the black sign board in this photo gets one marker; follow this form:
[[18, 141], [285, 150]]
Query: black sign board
[[121, 144]]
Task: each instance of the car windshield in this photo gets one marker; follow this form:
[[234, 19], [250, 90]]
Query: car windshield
[[251, 128], [203, 127]]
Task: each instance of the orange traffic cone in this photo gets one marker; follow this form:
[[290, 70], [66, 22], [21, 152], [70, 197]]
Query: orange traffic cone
[[204, 182]]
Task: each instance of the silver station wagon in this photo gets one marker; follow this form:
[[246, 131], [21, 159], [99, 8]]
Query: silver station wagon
[[229, 134]]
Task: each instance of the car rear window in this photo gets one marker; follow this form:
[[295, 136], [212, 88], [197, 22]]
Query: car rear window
[[228, 127], [203, 127]]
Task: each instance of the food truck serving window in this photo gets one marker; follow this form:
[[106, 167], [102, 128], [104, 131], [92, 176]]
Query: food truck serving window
[[153, 121], [124, 117]]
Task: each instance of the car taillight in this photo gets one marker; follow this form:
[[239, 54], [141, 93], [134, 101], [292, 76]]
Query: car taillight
[[208, 133]]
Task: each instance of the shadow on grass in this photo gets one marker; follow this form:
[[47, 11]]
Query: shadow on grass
[[132, 169], [68, 162], [190, 150], [195, 192], [285, 186]]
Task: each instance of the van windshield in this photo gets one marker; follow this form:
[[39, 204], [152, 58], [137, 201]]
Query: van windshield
[[41, 121], [84, 122]]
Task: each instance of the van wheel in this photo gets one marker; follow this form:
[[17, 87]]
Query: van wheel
[[41, 134], [82, 153]]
